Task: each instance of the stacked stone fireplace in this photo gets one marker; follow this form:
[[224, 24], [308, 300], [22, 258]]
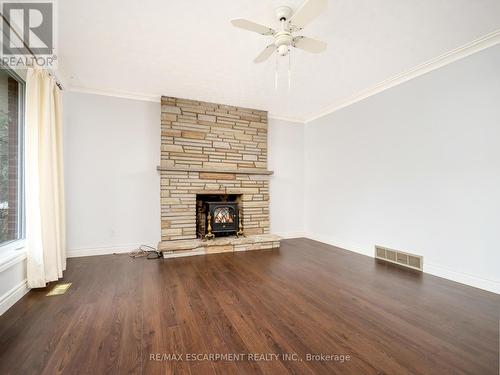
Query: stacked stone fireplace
[[213, 156]]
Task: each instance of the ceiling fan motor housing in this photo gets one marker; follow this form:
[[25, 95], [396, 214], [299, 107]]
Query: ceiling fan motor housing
[[282, 38]]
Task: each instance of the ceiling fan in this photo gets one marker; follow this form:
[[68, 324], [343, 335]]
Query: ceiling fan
[[290, 23]]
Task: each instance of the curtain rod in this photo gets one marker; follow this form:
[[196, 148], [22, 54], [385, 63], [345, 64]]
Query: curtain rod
[[53, 75]]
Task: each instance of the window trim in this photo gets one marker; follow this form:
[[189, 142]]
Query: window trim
[[11, 253], [14, 245], [18, 244]]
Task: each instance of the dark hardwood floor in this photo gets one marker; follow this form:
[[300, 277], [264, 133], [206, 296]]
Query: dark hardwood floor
[[125, 315]]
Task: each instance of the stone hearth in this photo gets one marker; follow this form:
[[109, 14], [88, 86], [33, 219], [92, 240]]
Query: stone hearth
[[209, 148], [218, 245]]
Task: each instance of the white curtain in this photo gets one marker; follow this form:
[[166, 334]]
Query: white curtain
[[44, 188]]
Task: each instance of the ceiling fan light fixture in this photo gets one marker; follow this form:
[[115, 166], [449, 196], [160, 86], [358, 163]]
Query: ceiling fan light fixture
[[283, 50]]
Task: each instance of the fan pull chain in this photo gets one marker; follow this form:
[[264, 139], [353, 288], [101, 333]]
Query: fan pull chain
[[276, 73], [289, 70]]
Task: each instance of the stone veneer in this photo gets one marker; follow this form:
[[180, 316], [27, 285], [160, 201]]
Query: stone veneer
[[209, 148]]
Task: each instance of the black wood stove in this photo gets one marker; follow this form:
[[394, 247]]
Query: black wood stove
[[218, 214], [222, 217]]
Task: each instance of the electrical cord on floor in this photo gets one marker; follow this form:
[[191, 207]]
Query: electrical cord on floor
[[145, 251]]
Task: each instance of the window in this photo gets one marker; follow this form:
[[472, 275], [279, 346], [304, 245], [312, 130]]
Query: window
[[11, 156]]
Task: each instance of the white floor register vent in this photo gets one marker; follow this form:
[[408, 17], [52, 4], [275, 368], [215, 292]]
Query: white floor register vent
[[399, 257]]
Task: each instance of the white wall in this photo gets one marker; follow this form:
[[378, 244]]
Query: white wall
[[286, 159], [112, 148], [415, 168]]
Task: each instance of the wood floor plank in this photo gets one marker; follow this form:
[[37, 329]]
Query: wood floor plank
[[124, 315]]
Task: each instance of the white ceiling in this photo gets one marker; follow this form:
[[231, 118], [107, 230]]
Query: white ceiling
[[189, 49]]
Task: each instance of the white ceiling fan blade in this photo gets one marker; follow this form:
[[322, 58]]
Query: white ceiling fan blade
[[265, 54], [307, 12], [252, 26], [309, 44]]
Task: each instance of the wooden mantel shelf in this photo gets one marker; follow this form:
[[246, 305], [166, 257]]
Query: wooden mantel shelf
[[254, 171]]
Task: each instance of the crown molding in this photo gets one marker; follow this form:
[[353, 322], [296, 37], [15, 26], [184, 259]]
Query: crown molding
[[157, 99], [489, 40], [468, 49], [116, 94], [295, 120]]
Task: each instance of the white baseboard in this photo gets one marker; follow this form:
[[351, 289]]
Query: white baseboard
[[104, 250], [463, 278], [356, 248], [13, 295], [432, 269], [288, 235]]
